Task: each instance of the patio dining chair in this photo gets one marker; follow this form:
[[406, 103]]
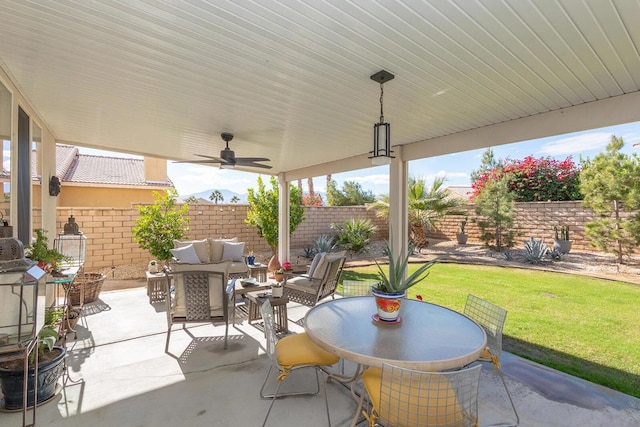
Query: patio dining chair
[[198, 297], [291, 353], [492, 319], [403, 397]]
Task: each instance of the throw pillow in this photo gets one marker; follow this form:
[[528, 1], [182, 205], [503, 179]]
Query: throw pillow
[[201, 247], [216, 247], [233, 251], [186, 254], [321, 267], [314, 263]]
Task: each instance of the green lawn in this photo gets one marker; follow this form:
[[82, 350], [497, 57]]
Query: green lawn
[[586, 327]]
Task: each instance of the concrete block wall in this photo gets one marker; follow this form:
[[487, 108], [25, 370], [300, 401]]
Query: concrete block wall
[[110, 243]]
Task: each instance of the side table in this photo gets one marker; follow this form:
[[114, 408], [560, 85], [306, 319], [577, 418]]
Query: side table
[[156, 287], [258, 271], [279, 309]]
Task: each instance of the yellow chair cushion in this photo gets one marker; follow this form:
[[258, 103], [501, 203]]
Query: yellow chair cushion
[[413, 402], [298, 350]]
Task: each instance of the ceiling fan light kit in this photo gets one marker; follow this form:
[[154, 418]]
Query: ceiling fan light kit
[[381, 154]]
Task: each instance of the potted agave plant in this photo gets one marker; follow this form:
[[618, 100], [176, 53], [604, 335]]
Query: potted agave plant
[[50, 367], [393, 287]]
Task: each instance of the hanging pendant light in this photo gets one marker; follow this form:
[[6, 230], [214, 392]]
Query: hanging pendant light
[[381, 154]]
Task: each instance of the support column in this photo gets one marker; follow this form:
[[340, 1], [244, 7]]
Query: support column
[[284, 237], [398, 202]]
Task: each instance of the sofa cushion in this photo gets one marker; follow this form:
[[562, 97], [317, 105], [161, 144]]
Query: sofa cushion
[[216, 248], [186, 254], [304, 284], [201, 247], [233, 251]]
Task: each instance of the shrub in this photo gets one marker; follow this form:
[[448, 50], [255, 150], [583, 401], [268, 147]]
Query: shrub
[[536, 251], [354, 235]]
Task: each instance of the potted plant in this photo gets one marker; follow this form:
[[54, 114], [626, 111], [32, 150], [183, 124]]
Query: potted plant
[[562, 243], [50, 367], [462, 236], [277, 289], [393, 287], [278, 275], [153, 266], [48, 259]]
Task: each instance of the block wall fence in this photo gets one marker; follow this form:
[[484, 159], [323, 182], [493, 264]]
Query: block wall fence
[[110, 243]]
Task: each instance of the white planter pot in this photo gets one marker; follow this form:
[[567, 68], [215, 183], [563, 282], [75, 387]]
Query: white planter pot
[[152, 268], [276, 292]]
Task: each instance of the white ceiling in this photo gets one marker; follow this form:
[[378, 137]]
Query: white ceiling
[[290, 78]]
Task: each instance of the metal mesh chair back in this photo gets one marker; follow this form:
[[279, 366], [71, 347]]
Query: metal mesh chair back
[[415, 398], [355, 288], [490, 317], [196, 293], [269, 330]]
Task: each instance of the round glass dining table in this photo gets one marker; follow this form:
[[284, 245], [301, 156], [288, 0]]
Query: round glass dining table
[[428, 338]]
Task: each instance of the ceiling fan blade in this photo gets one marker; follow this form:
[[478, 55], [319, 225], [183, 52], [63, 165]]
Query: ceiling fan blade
[[252, 159], [254, 165], [210, 159]]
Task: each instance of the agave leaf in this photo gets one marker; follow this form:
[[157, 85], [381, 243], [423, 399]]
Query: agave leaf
[[395, 281]]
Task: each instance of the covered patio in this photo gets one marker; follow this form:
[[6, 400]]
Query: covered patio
[[291, 81], [119, 375]]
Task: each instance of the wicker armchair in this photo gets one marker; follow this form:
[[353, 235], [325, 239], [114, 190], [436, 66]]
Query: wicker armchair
[[199, 297], [308, 290]]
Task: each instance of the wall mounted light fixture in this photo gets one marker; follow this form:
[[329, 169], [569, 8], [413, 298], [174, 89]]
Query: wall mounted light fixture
[[381, 154]]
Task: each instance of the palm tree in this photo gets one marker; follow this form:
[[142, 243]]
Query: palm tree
[[235, 199], [426, 207], [216, 197]]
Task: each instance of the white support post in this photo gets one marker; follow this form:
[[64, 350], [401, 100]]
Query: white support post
[[284, 239], [399, 203]]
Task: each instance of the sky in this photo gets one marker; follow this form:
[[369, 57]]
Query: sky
[[456, 168]]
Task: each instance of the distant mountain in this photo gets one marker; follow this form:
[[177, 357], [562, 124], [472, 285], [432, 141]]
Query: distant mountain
[[227, 194]]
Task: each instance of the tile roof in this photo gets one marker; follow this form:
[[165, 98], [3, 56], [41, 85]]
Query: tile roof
[[71, 166]]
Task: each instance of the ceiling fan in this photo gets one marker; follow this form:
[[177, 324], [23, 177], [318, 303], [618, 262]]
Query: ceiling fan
[[228, 158]]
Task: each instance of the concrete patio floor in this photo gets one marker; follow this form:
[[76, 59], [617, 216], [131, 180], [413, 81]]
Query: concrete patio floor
[[119, 375]]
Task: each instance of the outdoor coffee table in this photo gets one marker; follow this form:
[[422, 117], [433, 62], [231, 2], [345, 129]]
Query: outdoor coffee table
[[279, 305]]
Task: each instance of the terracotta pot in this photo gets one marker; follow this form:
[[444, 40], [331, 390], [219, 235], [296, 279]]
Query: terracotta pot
[[388, 304], [278, 277]]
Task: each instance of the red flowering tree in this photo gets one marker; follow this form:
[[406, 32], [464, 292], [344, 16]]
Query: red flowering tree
[[536, 179]]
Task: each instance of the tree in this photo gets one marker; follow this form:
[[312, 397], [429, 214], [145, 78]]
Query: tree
[[487, 163], [191, 200], [351, 194], [263, 210], [535, 179], [611, 187], [495, 205], [216, 196], [426, 207], [160, 224], [235, 199]]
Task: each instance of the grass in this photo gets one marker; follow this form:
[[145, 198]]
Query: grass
[[583, 326]]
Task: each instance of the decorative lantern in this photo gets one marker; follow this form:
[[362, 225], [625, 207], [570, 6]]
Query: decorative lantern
[[381, 153], [72, 243], [21, 299]]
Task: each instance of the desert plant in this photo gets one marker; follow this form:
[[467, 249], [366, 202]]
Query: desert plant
[[354, 235], [561, 233], [309, 252], [463, 224], [396, 281], [324, 243], [536, 251], [160, 224]]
